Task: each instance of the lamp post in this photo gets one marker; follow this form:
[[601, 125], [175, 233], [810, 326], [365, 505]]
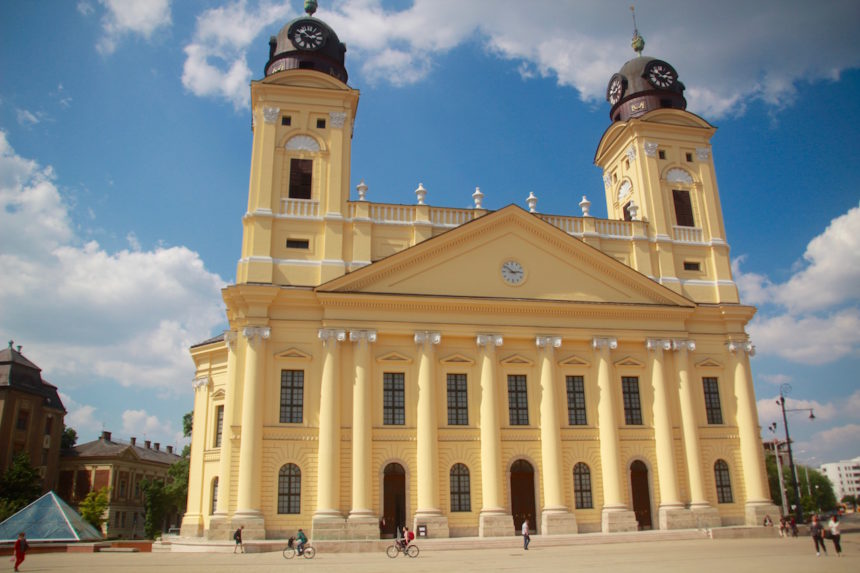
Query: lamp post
[[783, 390], [772, 427]]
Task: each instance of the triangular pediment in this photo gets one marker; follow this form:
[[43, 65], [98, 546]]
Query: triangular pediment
[[394, 358], [574, 361], [548, 264], [293, 354], [457, 360], [218, 394], [708, 363], [516, 360], [630, 361]]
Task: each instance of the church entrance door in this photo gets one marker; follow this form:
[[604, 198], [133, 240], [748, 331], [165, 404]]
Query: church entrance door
[[641, 496], [393, 499], [523, 495]]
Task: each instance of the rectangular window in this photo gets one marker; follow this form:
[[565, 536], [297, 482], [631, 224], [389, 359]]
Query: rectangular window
[[683, 208], [298, 243], [458, 404], [49, 425], [689, 157], [661, 154], [23, 420], [320, 124], [219, 425], [518, 401], [301, 171], [292, 396], [691, 266], [576, 401], [286, 120], [393, 399], [712, 400], [632, 407]]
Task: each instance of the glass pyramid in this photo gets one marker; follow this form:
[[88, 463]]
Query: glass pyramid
[[49, 518]]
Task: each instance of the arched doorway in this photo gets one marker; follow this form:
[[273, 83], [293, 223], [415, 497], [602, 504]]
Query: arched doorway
[[393, 499], [641, 495], [523, 495]]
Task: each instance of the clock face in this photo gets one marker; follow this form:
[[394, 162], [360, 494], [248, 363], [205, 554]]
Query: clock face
[[513, 272], [661, 74], [307, 35], [615, 90]]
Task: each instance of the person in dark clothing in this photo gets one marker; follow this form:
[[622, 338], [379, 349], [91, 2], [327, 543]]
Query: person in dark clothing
[[237, 537], [816, 530]]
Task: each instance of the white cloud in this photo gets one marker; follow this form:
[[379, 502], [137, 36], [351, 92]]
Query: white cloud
[[80, 417], [808, 339], [27, 118], [831, 445], [139, 423], [127, 317], [775, 379], [129, 17]]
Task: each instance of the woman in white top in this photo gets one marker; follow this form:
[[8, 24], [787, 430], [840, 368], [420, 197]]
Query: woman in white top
[[833, 526]]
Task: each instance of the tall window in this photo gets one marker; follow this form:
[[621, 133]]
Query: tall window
[[23, 419], [49, 424], [712, 400], [460, 496], [683, 208], [632, 407], [292, 396], [393, 401], [290, 489], [723, 481], [219, 425], [582, 486], [518, 401], [300, 178], [214, 496], [576, 401], [458, 404]]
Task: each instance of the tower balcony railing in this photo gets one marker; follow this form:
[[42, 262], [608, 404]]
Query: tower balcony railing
[[613, 228], [303, 208], [688, 234]]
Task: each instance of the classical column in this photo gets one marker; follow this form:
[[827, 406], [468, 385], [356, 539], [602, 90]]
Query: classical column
[[192, 521], [251, 446], [671, 513], [428, 512], [555, 517], [758, 504], [219, 523], [615, 515], [362, 522], [493, 520], [328, 522]]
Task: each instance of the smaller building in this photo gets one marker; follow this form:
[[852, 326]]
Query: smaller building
[[845, 477], [122, 466], [31, 416]]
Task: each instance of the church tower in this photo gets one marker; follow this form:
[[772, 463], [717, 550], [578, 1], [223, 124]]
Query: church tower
[[303, 113], [658, 168]]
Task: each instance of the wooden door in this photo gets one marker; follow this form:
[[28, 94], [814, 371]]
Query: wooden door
[[393, 499], [641, 495], [523, 495]]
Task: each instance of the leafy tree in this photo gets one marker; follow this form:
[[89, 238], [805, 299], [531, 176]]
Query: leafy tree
[[155, 502], [187, 420], [69, 438], [19, 486], [852, 499], [93, 507]]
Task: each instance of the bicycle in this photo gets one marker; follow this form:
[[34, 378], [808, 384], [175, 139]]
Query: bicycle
[[393, 550], [290, 550]]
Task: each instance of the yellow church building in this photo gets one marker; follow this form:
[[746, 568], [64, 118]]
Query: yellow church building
[[463, 370]]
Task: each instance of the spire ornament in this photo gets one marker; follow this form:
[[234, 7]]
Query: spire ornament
[[310, 7], [638, 43]]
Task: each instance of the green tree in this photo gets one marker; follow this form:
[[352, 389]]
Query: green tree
[[93, 507], [187, 422], [850, 499], [155, 502], [69, 438], [19, 486]]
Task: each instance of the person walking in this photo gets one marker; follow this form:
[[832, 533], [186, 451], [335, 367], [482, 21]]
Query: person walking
[[835, 535], [816, 530], [21, 547], [237, 537], [526, 536]]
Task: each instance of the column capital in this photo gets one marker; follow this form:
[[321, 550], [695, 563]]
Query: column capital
[[270, 114], [658, 344], [599, 343], [255, 334], [230, 337], [548, 342], [361, 335], [331, 335], [679, 344], [741, 346], [201, 382], [489, 340], [427, 337]]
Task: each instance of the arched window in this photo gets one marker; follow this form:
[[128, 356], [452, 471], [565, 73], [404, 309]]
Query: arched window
[[582, 486], [723, 481], [460, 496], [290, 489], [214, 496]]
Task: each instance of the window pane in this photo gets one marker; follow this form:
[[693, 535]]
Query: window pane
[[518, 404], [683, 208], [582, 486], [458, 405], [300, 178], [712, 400], [576, 401], [219, 425], [632, 407], [289, 489], [292, 396], [723, 481], [393, 399], [460, 496]]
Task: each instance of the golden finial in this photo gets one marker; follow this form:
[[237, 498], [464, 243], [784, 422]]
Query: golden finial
[[638, 42]]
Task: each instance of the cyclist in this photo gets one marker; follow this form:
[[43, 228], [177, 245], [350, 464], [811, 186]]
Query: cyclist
[[408, 537], [301, 538]]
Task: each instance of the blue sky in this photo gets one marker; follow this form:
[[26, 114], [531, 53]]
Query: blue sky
[[125, 143]]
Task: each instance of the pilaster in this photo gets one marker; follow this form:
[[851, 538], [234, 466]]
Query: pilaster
[[362, 523]]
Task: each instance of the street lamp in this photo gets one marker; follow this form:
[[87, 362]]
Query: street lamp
[[783, 390], [772, 427]]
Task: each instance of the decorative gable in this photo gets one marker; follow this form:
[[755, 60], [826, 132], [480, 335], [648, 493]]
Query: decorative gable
[[574, 361], [516, 360], [458, 360], [294, 354], [708, 363], [218, 394], [630, 361], [394, 358]]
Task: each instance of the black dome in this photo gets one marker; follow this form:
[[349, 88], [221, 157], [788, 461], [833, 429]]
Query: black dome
[[318, 49]]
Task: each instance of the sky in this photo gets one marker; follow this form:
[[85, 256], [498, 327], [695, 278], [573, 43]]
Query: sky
[[125, 140]]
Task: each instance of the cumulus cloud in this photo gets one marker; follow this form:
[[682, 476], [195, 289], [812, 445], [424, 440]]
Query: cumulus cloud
[[140, 423], [831, 444], [124, 17], [126, 317], [81, 417]]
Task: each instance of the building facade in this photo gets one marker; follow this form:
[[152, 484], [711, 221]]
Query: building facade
[[462, 370], [845, 477], [122, 467], [31, 416]]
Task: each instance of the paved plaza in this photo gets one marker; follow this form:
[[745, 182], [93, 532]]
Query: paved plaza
[[698, 556]]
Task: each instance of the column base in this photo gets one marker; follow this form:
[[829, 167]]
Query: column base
[[755, 512], [362, 526], [219, 528], [495, 523], [192, 525], [557, 522], [675, 517], [706, 517], [436, 523], [616, 520], [329, 525], [255, 525]]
